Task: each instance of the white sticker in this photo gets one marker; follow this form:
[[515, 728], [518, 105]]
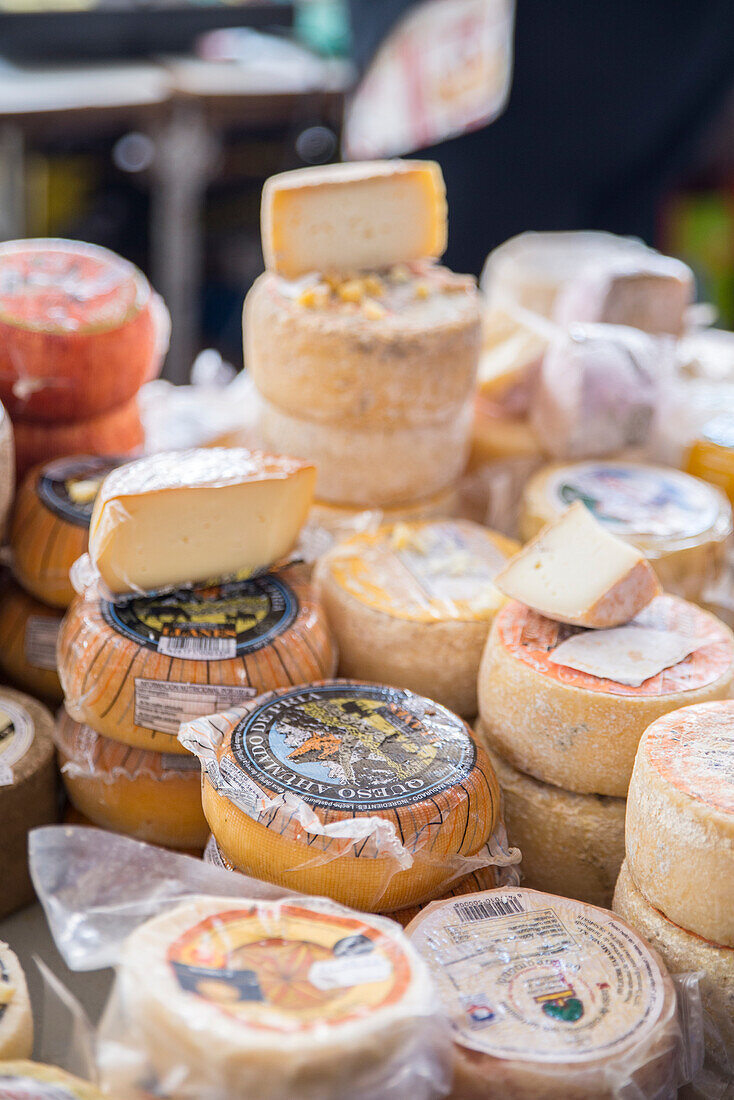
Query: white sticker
[[348, 970], [163, 706], [197, 648], [40, 641], [626, 654], [6, 775]]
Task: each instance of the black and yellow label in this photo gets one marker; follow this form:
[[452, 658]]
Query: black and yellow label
[[69, 486]]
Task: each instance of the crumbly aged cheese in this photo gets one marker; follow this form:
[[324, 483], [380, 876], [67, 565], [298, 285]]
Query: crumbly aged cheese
[[50, 527], [363, 793], [575, 572], [512, 351], [680, 819], [152, 796], [33, 1081], [80, 330], [7, 469], [188, 516], [375, 360], [549, 997], [353, 217], [28, 635], [680, 523], [411, 605], [135, 669], [16, 1020], [572, 844], [580, 730], [27, 790], [372, 467], [685, 953], [711, 455], [271, 1000]]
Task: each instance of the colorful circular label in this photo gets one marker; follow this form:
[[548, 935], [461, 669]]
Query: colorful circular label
[[16, 734], [69, 486], [207, 624], [30, 1088], [693, 749], [289, 969], [638, 502], [348, 747]]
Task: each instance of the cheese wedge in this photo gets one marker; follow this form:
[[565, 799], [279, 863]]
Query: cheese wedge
[[577, 573], [353, 217], [181, 517]]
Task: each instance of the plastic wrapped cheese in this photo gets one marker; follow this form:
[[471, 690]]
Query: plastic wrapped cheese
[[29, 633]]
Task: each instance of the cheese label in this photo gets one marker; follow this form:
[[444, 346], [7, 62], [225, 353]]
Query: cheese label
[[163, 705], [626, 654], [16, 737], [693, 750], [423, 571], [94, 755], [540, 978], [288, 969], [17, 1087], [69, 486], [217, 623], [535, 640], [41, 633]]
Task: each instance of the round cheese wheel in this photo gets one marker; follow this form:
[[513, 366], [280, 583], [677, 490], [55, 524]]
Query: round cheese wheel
[[686, 953], [16, 1020], [33, 1081], [133, 670], [411, 605], [80, 330], [7, 469], [711, 455], [372, 467], [359, 792], [152, 796], [578, 730], [680, 523], [118, 432], [28, 635], [680, 819], [548, 997], [331, 361], [50, 527], [243, 999], [572, 844], [28, 797]]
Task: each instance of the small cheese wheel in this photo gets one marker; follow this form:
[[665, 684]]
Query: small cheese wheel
[[80, 330], [578, 730], [680, 819], [28, 636], [372, 467], [680, 523], [572, 844], [27, 789], [34, 1081], [118, 432], [152, 796], [50, 527], [243, 999], [7, 469], [360, 792], [549, 997], [16, 1019], [336, 361], [135, 669], [411, 605]]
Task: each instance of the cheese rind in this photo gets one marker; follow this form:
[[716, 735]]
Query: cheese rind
[[353, 217], [577, 573], [28, 637], [190, 516], [32, 1079], [680, 819], [16, 1020], [7, 468]]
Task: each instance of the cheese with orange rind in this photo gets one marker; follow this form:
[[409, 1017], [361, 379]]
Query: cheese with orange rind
[[29, 631]]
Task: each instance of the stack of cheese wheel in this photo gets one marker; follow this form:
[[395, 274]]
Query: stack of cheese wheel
[[134, 664], [676, 886], [363, 349]]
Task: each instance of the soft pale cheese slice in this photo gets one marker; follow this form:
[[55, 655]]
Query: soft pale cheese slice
[[353, 217], [576, 572], [188, 516]]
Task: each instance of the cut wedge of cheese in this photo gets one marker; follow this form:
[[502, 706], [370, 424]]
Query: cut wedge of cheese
[[578, 730], [50, 527], [34, 1081], [16, 1020], [135, 669], [363, 793], [353, 217], [577, 573], [549, 997], [182, 517], [272, 1000], [28, 635], [411, 605], [512, 352], [680, 819], [680, 524]]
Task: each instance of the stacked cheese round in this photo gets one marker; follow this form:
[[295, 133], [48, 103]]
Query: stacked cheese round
[[411, 605], [29, 632], [371, 378]]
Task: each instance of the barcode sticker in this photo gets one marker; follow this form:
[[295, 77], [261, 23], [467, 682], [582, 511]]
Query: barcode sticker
[[41, 633], [163, 706], [488, 908], [195, 648]]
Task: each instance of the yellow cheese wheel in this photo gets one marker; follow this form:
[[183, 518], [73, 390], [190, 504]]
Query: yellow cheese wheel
[[133, 670], [16, 1019], [28, 637], [360, 792], [578, 730], [152, 796], [33, 1081], [50, 527], [411, 605], [711, 455]]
